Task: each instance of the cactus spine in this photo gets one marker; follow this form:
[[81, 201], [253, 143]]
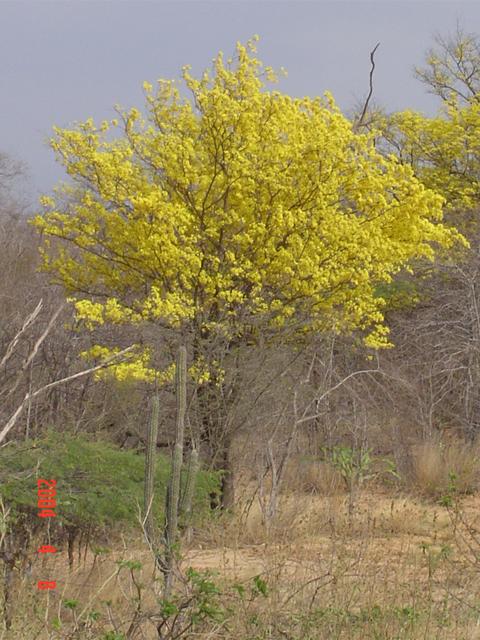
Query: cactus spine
[[173, 491], [150, 459]]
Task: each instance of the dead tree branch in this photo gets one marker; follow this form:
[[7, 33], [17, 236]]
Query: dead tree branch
[[29, 396], [360, 121]]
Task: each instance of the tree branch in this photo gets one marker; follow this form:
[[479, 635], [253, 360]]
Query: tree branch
[[11, 347], [360, 121], [29, 396]]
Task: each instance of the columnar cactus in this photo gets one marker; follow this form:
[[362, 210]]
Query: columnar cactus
[[150, 459], [173, 491], [189, 490], [176, 504]]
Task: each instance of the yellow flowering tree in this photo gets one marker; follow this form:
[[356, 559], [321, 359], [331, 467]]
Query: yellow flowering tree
[[230, 204], [444, 150]]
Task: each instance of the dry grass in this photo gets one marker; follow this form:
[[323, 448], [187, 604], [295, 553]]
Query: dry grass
[[436, 465], [398, 567], [385, 574], [312, 476]]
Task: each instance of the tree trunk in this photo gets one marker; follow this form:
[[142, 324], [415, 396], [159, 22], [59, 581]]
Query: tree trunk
[[214, 400], [213, 425]]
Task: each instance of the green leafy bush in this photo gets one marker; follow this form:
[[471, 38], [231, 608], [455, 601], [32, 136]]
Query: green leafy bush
[[98, 484]]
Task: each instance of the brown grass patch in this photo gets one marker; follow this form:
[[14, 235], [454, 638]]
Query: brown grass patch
[[438, 467]]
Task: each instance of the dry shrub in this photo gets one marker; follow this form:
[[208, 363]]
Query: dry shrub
[[313, 477], [436, 465]]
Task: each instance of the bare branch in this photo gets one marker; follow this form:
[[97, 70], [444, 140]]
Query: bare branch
[[360, 121], [306, 418], [29, 396], [36, 347], [30, 319]]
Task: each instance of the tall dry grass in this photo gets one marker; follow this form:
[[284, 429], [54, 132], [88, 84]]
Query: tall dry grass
[[393, 572], [399, 567], [438, 465]]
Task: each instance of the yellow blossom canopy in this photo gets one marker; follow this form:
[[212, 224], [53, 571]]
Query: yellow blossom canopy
[[234, 202]]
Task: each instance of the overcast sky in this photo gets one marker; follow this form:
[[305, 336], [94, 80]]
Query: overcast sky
[[68, 60]]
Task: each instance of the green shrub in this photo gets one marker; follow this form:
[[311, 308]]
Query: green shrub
[[98, 484]]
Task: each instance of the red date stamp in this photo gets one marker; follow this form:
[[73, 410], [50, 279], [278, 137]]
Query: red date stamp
[[46, 503]]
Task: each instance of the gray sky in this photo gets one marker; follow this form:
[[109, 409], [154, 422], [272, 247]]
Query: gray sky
[[66, 61]]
